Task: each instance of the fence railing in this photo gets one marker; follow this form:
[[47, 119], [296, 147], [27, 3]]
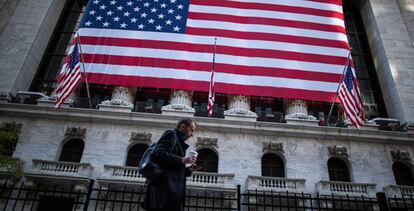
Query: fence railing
[[271, 200], [130, 197], [61, 168], [401, 203], [275, 184], [23, 197], [346, 188]]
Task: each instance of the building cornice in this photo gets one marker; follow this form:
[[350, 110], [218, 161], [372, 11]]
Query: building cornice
[[212, 124]]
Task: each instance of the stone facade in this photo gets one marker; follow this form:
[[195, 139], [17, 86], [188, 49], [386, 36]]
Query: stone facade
[[305, 153], [240, 141]]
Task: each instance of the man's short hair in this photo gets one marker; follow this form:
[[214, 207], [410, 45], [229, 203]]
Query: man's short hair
[[187, 122]]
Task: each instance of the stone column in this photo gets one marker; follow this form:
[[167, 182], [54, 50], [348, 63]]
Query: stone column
[[297, 111], [180, 104], [123, 99], [392, 50], [25, 31], [239, 109]]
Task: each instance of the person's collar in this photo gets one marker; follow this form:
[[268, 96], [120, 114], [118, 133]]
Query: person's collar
[[181, 137]]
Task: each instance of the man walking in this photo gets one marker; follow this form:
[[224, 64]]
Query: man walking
[[168, 191]]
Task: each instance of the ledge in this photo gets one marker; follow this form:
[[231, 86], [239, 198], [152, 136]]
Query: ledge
[[346, 188], [220, 125], [277, 184]]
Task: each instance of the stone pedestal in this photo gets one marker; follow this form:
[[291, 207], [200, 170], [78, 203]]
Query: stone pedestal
[[297, 113], [180, 105], [122, 100], [49, 101], [239, 109]]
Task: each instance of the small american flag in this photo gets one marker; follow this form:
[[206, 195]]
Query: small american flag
[[69, 77], [350, 98]]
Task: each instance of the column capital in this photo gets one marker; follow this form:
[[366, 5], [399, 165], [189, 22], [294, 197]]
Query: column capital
[[50, 101], [297, 111], [239, 109], [122, 100], [180, 104]]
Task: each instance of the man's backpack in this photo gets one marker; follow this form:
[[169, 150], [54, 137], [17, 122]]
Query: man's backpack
[[149, 169]]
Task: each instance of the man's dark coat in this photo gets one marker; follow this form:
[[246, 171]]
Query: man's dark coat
[[168, 191]]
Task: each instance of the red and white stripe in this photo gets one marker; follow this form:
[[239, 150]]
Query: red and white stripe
[[352, 104], [278, 48], [68, 80]]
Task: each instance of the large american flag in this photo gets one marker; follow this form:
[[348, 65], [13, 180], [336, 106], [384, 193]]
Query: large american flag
[[279, 48], [69, 77], [350, 98]]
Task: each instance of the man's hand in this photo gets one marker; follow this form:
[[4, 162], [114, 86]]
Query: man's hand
[[189, 160]]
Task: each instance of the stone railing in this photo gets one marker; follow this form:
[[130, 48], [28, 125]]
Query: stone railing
[[122, 173], [60, 168], [275, 184], [346, 188], [399, 191], [211, 180]]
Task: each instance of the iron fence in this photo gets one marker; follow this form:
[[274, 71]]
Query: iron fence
[[402, 203], [270, 201], [26, 196]]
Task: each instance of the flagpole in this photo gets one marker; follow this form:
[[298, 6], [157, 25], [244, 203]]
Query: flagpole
[[84, 71], [214, 55], [211, 92], [339, 85]]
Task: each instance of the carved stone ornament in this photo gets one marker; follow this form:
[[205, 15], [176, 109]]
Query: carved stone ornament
[[297, 109], [239, 106], [76, 132], [144, 138], [11, 126], [206, 141], [121, 96], [338, 151], [180, 101], [178, 107], [272, 147], [400, 155]]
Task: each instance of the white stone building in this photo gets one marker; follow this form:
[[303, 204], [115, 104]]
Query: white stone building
[[260, 143]]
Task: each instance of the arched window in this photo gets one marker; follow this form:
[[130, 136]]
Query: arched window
[[338, 170], [135, 154], [72, 151], [272, 166], [402, 174], [207, 159]]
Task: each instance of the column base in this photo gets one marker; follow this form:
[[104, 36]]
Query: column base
[[117, 106], [240, 115], [178, 110]]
